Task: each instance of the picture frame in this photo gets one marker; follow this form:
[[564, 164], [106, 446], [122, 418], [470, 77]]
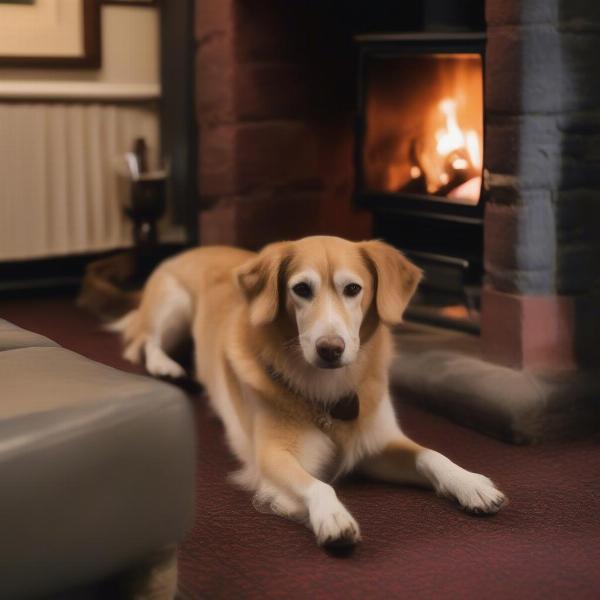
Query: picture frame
[[131, 2], [77, 20]]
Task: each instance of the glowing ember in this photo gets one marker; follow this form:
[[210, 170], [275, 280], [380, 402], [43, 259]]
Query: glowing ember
[[468, 189], [415, 172]]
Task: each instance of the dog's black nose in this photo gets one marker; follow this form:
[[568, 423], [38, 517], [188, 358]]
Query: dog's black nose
[[330, 348]]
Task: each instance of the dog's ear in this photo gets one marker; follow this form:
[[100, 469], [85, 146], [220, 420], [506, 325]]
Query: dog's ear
[[396, 279], [259, 279]]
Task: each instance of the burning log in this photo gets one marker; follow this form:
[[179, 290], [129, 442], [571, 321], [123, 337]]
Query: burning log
[[444, 167]]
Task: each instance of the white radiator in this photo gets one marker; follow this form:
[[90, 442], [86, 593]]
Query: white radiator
[[61, 191]]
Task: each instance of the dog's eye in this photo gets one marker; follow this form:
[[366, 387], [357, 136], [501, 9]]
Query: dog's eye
[[303, 290], [352, 289]]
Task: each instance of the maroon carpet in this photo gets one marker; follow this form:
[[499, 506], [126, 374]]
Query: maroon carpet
[[545, 544]]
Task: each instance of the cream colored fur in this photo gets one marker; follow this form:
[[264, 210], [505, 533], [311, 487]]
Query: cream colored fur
[[248, 322]]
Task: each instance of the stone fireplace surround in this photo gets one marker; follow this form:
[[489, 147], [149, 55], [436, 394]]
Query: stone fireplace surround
[[542, 220], [275, 94]]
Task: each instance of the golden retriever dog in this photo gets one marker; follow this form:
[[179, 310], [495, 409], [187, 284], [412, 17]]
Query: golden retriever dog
[[293, 345]]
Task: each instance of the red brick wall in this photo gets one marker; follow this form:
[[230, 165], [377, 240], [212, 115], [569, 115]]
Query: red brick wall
[[275, 116]]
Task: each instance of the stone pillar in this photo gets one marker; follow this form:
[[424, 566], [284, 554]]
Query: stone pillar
[[542, 222]]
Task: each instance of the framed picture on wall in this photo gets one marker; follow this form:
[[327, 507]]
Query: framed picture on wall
[[50, 33], [131, 2]]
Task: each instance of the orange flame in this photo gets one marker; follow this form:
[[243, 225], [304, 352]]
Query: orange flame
[[424, 132], [457, 152]]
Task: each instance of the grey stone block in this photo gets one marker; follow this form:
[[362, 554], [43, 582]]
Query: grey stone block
[[543, 151], [578, 213], [577, 268], [527, 146], [580, 57], [521, 69], [578, 171], [510, 12], [578, 240], [542, 241], [580, 122], [540, 69], [520, 237], [502, 12], [519, 281], [586, 11]]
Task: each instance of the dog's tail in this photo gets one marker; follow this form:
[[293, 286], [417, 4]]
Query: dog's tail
[[129, 327], [103, 292], [121, 325]]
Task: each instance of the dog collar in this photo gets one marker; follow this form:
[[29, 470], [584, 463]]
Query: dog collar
[[346, 408]]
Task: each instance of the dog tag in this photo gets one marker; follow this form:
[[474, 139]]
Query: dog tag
[[346, 408]]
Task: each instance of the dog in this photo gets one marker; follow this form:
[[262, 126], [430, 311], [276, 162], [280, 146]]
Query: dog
[[293, 346]]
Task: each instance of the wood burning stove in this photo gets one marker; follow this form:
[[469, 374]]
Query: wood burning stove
[[419, 159]]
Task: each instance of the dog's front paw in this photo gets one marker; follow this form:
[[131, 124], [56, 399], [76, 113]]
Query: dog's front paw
[[477, 494], [333, 526], [336, 529]]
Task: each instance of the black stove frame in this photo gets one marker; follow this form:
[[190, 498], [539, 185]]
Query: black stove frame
[[391, 45], [412, 221]]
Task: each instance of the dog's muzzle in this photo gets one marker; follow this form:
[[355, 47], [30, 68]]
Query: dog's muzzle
[[330, 349]]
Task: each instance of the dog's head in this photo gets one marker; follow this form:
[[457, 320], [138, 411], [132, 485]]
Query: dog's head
[[326, 286]]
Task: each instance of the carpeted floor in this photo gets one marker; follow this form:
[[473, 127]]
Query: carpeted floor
[[545, 544]]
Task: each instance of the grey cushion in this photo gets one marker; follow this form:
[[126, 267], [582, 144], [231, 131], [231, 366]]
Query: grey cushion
[[96, 467]]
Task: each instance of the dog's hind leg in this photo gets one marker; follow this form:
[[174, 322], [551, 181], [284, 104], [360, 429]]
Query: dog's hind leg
[[166, 311]]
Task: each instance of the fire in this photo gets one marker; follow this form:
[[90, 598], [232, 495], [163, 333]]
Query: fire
[[424, 126], [451, 138], [455, 160]]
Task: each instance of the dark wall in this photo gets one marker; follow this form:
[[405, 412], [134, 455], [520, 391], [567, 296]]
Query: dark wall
[[178, 132]]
